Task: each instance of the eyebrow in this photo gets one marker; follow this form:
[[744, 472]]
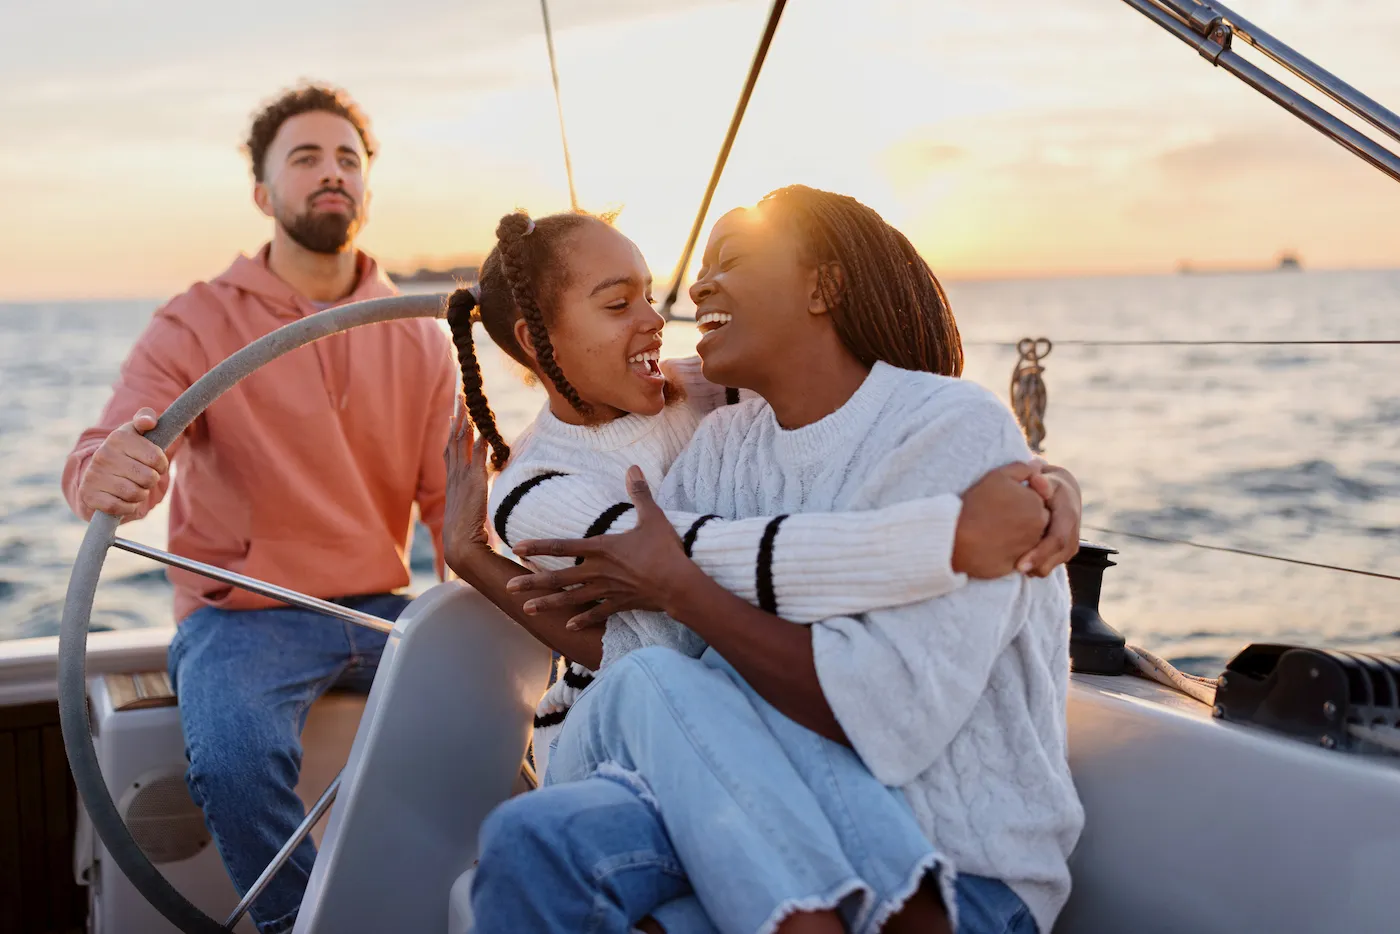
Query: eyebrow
[[716, 246], [616, 280], [315, 147]]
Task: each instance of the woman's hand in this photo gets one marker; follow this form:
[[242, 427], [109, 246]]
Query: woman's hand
[[1021, 517], [1060, 491], [464, 534], [1003, 516], [645, 568]]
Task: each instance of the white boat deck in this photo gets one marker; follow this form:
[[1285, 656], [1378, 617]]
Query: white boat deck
[[1192, 824]]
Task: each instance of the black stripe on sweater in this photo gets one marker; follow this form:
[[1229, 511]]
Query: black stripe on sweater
[[689, 541], [550, 719], [731, 396], [576, 680], [767, 600], [514, 497], [604, 522]]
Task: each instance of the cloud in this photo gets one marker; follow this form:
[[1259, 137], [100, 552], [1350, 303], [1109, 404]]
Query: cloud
[[1248, 152], [113, 37], [914, 162], [979, 133], [193, 72], [930, 153]]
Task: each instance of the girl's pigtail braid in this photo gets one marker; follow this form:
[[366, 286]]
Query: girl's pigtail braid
[[460, 308]]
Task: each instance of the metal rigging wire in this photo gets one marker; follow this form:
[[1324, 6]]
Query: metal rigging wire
[[774, 15], [1242, 551], [559, 105], [1192, 343]]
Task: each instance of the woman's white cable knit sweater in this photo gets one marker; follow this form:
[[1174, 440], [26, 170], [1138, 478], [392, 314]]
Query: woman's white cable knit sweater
[[568, 481], [957, 694]]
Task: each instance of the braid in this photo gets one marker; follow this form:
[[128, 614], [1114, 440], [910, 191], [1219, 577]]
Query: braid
[[459, 316], [884, 299], [516, 263]]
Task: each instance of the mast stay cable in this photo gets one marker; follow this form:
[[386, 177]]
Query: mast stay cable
[[774, 15], [559, 105]]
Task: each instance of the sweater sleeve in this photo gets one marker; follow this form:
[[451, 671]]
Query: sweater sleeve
[[809, 566], [165, 361], [902, 681], [805, 566]]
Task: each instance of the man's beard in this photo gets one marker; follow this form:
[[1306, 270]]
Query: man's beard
[[322, 231]]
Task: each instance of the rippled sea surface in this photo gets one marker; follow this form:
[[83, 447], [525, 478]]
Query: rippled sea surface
[[1287, 450]]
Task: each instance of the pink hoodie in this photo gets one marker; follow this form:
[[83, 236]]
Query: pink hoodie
[[304, 474]]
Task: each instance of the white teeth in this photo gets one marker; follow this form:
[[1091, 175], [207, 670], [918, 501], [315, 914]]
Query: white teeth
[[650, 355], [714, 317]]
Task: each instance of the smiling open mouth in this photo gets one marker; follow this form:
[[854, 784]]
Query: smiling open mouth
[[712, 321], [647, 363]]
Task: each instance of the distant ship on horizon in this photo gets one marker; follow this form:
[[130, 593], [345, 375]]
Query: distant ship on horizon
[[426, 276], [1287, 262]]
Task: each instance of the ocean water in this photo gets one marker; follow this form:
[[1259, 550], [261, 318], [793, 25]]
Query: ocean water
[[1292, 451]]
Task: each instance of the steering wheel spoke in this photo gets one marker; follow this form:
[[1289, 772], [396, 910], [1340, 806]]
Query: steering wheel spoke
[[291, 597], [313, 817]]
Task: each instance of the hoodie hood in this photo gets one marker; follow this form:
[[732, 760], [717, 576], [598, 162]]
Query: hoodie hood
[[251, 274]]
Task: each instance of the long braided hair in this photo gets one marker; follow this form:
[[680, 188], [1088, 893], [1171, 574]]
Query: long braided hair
[[520, 278], [461, 315], [883, 298]]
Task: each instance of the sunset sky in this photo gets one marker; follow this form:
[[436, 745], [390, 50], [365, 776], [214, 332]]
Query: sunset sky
[[1007, 137]]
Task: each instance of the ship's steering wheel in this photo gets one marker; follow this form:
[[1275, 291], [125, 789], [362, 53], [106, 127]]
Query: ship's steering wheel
[[82, 587]]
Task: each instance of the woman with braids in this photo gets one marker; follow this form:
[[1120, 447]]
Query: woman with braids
[[579, 259]]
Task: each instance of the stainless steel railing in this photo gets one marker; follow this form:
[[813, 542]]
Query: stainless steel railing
[[1211, 28]]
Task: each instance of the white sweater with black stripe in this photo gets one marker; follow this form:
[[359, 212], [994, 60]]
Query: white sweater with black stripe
[[958, 699], [568, 481]]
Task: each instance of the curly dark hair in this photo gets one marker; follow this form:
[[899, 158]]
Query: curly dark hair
[[304, 99]]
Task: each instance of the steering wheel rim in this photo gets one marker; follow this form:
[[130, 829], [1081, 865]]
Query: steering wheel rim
[[73, 711]]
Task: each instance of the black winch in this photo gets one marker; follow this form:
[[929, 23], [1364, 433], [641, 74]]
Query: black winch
[[1095, 648], [1338, 700]]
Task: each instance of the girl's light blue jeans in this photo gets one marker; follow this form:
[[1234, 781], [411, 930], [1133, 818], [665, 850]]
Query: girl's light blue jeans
[[591, 857], [766, 817]]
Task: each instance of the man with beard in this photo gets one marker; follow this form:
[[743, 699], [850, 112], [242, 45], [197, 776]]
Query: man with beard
[[304, 475]]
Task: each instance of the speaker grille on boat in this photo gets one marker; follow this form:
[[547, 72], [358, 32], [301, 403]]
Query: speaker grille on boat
[[163, 818]]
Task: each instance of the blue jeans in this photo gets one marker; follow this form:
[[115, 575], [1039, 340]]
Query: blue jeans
[[592, 857], [245, 681], [877, 829], [587, 857], [766, 816]]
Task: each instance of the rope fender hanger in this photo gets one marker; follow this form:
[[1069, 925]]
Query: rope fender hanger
[[1028, 393]]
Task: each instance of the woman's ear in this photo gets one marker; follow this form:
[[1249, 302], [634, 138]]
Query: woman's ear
[[522, 337], [828, 282]]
